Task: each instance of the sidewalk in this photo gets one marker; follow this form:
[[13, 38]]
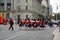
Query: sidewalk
[[56, 34]]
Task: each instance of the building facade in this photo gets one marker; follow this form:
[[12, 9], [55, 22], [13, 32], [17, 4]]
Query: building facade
[[27, 8], [50, 10], [23, 8], [45, 8], [6, 7]]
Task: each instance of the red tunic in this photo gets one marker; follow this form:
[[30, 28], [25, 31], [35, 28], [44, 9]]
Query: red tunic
[[27, 21], [40, 22], [5, 20], [37, 22], [20, 20], [23, 20]]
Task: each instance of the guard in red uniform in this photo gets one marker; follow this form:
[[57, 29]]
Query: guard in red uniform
[[28, 25], [35, 24], [23, 22], [32, 23], [5, 21], [42, 24], [20, 23]]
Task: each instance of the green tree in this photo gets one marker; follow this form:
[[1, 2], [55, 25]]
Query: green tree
[[58, 16]]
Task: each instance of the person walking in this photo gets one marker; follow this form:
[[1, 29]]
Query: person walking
[[50, 23], [11, 24]]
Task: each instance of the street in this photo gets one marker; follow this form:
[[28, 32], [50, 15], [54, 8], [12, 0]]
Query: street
[[23, 34]]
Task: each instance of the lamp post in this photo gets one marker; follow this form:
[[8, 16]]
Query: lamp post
[[56, 10]]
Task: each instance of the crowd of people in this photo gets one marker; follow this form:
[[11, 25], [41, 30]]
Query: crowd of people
[[28, 23], [31, 23]]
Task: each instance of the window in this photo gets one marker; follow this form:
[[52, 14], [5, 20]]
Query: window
[[26, 16], [8, 5], [43, 7], [18, 16], [47, 1], [43, 12], [39, 1], [1, 5], [1, 2], [26, 7]]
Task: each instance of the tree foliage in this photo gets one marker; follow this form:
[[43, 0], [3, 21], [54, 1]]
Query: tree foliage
[[58, 16]]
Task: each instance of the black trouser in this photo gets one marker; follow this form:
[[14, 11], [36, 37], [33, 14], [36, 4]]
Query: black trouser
[[50, 24], [11, 26]]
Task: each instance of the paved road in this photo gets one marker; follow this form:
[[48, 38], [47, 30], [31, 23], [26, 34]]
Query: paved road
[[17, 34]]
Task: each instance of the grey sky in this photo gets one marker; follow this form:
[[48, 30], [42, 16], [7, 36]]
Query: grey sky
[[54, 4]]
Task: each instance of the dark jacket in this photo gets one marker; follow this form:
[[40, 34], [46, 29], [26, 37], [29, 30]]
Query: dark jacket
[[11, 22]]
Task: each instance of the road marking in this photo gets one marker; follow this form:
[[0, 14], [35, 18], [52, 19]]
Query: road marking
[[6, 31], [16, 35], [55, 31]]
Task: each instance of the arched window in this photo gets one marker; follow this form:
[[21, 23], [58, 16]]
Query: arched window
[[26, 16], [18, 16], [26, 7]]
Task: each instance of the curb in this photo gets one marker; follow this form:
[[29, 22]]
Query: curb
[[51, 37]]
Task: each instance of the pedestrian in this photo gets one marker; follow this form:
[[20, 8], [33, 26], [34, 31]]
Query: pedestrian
[[50, 23], [11, 24], [28, 24], [35, 24], [40, 22], [18, 20], [59, 26]]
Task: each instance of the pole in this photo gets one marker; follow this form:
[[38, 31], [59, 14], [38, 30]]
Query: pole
[[56, 16], [56, 13], [56, 10]]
